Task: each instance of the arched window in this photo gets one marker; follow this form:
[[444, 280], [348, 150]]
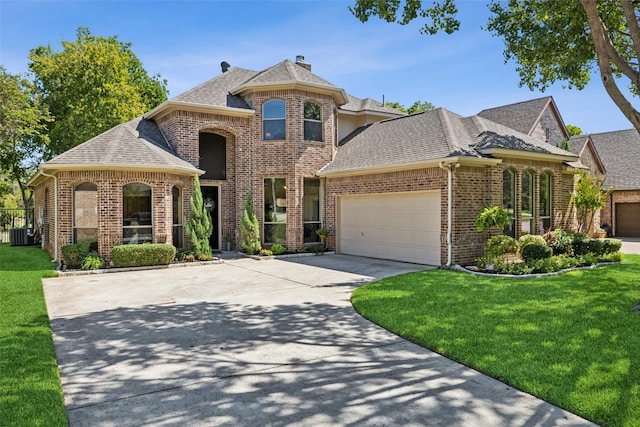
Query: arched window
[[178, 233], [136, 214], [85, 212], [274, 120], [312, 121], [527, 199], [509, 198], [545, 201]]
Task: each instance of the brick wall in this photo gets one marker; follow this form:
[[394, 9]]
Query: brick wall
[[607, 215]]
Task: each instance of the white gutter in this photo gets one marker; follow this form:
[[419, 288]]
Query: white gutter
[[449, 209], [55, 217]]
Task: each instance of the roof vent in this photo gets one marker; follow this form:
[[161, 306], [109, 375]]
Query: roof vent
[[225, 66], [300, 62]]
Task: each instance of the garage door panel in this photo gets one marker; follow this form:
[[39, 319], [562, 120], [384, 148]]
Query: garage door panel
[[628, 219], [404, 227]]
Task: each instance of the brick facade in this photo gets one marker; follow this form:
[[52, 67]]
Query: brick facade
[[608, 213]]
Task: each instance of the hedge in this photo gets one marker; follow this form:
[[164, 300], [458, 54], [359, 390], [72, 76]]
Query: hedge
[[142, 255], [75, 253], [536, 251]]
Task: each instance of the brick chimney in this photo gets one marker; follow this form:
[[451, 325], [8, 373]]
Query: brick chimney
[[300, 62]]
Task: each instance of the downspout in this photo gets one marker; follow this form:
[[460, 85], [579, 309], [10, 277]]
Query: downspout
[[449, 210], [55, 217]]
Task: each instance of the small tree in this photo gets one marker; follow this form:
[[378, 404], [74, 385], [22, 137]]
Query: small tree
[[588, 198], [249, 228], [199, 227]]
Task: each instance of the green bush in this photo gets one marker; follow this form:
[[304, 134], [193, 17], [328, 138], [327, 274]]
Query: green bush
[[536, 251], [530, 239], [560, 241], [612, 257], [580, 244], [266, 252], [278, 249], [501, 245], [75, 253], [516, 268], [596, 246], [93, 261], [552, 264], [588, 259], [141, 255], [611, 246]]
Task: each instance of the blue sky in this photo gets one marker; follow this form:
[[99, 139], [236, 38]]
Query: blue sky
[[185, 41]]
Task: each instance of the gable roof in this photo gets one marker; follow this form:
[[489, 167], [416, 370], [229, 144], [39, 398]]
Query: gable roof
[[287, 75], [431, 137], [581, 144], [135, 145], [620, 154], [523, 116]]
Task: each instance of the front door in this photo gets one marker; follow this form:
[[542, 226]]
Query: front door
[[212, 202]]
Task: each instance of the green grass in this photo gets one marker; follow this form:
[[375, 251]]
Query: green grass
[[571, 339], [30, 390]]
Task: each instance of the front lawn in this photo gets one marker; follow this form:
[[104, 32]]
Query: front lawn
[[570, 339], [30, 390]]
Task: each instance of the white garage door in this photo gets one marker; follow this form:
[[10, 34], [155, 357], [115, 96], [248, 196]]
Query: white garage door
[[397, 226]]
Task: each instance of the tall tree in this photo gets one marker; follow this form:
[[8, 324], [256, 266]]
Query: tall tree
[[199, 227], [22, 131], [574, 130], [550, 40], [91, 85], [417, 107], [250, 228]]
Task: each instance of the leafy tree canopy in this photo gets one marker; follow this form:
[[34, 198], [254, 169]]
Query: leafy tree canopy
[[91, 85], [550, 40], [22, 132], [417, 107], [574, 130]]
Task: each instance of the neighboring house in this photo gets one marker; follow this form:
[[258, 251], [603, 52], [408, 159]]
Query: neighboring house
[[620, 153], [388, 185]]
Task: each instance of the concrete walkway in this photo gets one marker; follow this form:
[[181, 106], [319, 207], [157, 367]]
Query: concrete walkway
[[259, 343]]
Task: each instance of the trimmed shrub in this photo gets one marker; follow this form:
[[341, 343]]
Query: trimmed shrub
[[531, 239], [535, 251], [501, 245], [266, 252], [596, 246], [142, 255], [612, 257], [560, 241], [75, 253], [580, 244], [278, 249], [611, 246]]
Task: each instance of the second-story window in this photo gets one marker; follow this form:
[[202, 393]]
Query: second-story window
[[273, 120], [312, 121]]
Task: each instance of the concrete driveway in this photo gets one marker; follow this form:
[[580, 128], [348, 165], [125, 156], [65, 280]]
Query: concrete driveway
[[259, 343]]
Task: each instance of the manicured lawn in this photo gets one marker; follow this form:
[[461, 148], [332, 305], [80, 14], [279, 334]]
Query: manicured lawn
[[572, 339], [30, 390]]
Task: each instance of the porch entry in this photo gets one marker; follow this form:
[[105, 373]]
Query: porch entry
[[211, 199]]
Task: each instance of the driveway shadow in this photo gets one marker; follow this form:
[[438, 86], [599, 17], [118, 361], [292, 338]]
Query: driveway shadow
[[216, 363]]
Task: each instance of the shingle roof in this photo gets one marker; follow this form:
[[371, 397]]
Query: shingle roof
[[287, 71], [431, 135], [358, 105], [215, 92], [620, 153], [521, 116], [138, 143], [577, 143]]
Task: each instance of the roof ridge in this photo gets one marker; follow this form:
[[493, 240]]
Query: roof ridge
[[447, 129], [516, 103]]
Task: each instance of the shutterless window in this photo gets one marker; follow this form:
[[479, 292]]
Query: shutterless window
[[178, 227], [275, 210], [312, 121], [273, 120], [311, 209], [136, 214], [527, 202], [85, 212], [545, 201], [509, 198]]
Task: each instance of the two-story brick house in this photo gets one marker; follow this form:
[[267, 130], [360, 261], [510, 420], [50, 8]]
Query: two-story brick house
[[387, 185]]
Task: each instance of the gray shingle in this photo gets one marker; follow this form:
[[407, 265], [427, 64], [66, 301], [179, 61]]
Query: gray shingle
[[620, 154], [138, 143], [216, 92], [521, 116], [358, 105]]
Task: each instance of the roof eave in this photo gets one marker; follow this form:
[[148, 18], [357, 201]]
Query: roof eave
[[372, 113], [461, 160], [170, 106], [52, 169], [338, 94], [529, 155]]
